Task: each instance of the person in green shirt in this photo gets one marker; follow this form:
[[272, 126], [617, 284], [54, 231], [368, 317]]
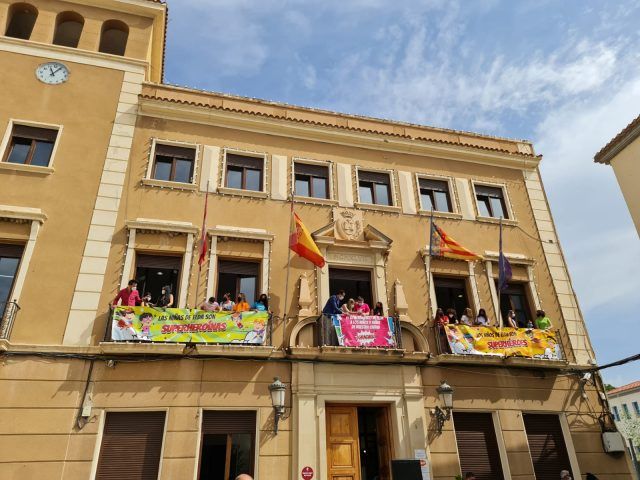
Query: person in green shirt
[[542, 321]]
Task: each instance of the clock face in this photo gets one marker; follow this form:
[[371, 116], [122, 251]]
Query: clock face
[[52, 73]]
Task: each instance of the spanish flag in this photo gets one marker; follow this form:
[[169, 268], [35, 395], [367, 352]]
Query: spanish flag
[[302, 243], [442, 245]]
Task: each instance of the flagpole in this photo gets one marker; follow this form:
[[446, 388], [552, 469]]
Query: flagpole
[[429, 312], [500, 263], [204, 224], [286, 283]]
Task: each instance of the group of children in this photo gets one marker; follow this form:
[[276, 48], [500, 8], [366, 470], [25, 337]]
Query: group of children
[[241, 305], [541, 321], [337, 305]]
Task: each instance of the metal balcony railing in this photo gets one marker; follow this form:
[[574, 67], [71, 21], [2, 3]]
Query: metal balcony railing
[[328, 337], [8, 313]]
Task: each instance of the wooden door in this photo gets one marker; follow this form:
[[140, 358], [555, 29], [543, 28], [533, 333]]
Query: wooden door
[[384, 443], [343, 449]]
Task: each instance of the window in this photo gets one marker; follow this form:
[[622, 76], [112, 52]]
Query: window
[[625, 409], [434, 195], [153, 272], [616, 414], [546, 445], [68, 29], [477, 445], [22, 18], [491, 201], [9, 261], [31, 145], [244, 172], [311, 180], [451, 293], [374, 188], [355, 283], [131, 445], [636, 407], [113, 38], [237, 277], [173, 164], [228, 444], [514, 298]]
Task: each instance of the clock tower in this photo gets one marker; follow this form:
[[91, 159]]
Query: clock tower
[[71, 75]]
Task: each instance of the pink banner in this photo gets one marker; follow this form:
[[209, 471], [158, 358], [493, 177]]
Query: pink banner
[[364, 331]]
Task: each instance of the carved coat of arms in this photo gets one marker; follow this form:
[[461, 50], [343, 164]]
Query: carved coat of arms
[[348, 224]]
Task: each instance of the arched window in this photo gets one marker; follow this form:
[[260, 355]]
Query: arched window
[[114, 36], [22, 18], [68, 29]]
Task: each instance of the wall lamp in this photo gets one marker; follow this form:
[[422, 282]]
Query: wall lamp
[[277, 390], [445, 393]]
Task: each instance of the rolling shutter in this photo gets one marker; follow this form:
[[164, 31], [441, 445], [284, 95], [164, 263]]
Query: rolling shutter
[[375, 177], [11, 251], [477, 445], [158, 261], [235, 160], [351, 275], [131, 446], [173, 151], [546, 444], [35, 133], [228, 421], [314, 170], [251, 269]]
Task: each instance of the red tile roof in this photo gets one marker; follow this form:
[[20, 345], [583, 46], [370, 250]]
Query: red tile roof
[[621, 140], [624, 388], [322, 118]]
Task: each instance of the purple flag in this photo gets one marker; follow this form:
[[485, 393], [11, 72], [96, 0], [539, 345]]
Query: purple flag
[[504, 267]]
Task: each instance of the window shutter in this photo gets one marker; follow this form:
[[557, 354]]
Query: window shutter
[[46, 134], [11, 251], [376, 177], [309, 169], [175, 151], [228, 421], [239, 267], [494, 192], [158, 261], [435, 185], [353, 275], [546, 444], [131, 446], [235, 160], [477, 445], [446, 282]]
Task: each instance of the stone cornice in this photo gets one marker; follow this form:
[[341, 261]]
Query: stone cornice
[[22, 213], [153, 225], [261, 123]]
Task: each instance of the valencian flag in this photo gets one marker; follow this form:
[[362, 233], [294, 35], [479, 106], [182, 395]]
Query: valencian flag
[[302, 243], [504, 267], [204, 246], [442, 245]]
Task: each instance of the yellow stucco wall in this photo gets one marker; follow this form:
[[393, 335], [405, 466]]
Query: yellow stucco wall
[[626, 166]]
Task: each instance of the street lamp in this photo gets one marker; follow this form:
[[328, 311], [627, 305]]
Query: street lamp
[[278, 391], [445, 393]]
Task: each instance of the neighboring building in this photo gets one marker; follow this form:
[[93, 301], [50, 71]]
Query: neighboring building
[[622, 153], [624, 402], [103, 176]]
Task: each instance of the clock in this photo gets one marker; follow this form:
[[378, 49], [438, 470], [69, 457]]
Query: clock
[[52, 73]]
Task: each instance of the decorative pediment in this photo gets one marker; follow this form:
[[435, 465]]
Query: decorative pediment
[[348, 229]]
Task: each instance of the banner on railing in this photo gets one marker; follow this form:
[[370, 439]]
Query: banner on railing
[[173, 325], [364, 331], [518, 342]]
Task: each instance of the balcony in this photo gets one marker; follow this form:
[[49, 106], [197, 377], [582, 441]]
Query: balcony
[[499, 346], [174, 331]]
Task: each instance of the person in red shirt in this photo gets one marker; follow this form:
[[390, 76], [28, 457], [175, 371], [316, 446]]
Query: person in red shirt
[[361, 308], [129, 296]]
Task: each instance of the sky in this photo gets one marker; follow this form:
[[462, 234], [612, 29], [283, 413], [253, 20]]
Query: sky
[[562, 73]]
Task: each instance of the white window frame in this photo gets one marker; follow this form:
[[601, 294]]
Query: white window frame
[[505, 195], [28, 123], [453, 196], [392, 183], [149, 180], [247, 153], [323, 163]]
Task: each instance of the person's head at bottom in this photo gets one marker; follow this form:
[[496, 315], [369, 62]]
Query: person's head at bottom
[[565, 475], [244, 476], [469, 476]]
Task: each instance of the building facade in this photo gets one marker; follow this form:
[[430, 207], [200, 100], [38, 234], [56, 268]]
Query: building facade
[[104, 172], [624, 402], [622, 154]]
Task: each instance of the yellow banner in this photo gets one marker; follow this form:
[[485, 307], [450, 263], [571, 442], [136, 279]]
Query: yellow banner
[[510, 342]]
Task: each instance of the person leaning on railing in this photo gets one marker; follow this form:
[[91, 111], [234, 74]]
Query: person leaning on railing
[[542, 321], [439, 322], [332, 307], [129, 295]]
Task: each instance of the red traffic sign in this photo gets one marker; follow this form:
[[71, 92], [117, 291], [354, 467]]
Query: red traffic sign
[[307, 473]]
